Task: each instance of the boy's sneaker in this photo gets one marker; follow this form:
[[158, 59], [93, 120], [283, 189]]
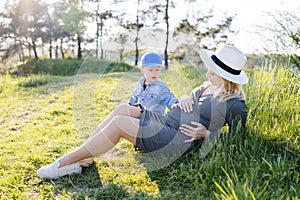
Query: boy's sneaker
[[53, 171]]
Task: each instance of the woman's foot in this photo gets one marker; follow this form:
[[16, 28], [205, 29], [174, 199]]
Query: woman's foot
[[86, 162], [53, 171]]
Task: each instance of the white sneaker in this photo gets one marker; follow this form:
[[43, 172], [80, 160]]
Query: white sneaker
[[53, 171]]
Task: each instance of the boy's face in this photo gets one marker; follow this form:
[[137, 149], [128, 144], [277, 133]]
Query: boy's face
[[151, 74]]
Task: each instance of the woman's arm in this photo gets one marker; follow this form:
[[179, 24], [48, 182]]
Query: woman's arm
[[236, 113]]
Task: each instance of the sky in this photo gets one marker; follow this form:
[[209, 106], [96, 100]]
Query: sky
[[250, 14]]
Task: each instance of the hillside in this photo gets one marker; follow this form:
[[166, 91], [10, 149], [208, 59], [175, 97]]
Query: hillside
[[42, 117]]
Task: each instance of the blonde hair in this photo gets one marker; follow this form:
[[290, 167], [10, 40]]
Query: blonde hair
[[229, 90]]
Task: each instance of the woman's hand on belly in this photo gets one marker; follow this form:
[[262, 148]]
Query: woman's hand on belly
[[196, 132]]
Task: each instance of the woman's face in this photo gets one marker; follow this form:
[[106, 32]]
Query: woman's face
[[215, 79], [151, 74]]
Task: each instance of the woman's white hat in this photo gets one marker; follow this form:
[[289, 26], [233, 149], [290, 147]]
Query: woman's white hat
[[227, 62]]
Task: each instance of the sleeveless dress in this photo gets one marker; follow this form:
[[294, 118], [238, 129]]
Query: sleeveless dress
[[162, 133]]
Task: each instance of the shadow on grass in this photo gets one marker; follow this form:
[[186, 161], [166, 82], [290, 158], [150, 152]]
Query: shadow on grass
[[77, 185], [88, 185]]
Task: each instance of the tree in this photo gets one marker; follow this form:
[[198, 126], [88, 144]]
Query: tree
[[73, 20], [123, 38], [136, 25], [100, 18], [283, 35], [202, 32], [160, 8], [54, 32], [167, 33], [27, 21], [58, 30], [64, 22]]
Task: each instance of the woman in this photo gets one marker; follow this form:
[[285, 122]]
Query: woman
[[217, 102]]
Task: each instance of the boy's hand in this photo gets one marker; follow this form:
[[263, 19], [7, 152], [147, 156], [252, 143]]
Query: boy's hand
[[175, 105]]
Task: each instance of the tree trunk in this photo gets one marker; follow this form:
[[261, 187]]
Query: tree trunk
[[61, 49], [56, 51], [20, 50], [50, 49], [167, 40], [79, 53], [121, 54], [34, 50], [97, 40], [97, 31], [101, 35], [136, 57], [43, 48], [29, 50], [137, 35]]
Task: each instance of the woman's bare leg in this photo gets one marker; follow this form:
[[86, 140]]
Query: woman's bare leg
[[123, 109], [119, 127]]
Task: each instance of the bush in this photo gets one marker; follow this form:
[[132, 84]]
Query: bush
[[68, 67]]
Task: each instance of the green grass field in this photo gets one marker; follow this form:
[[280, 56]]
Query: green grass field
[[42, 117]]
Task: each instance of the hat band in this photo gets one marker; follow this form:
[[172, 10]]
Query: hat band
[[224, 66]]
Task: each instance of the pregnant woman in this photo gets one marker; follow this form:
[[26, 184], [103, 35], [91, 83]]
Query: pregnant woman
[[217, 102]]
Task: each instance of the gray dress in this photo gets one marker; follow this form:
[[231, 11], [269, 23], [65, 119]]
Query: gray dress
[[161, 133]]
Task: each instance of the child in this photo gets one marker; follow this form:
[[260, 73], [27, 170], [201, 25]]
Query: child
[[151, 93]]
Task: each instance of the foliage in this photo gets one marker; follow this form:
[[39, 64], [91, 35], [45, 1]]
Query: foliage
[[38, 124], [284, 29], [271, 100], [67, 67], [206, 30], [74, 22], [24, 24], [58, 28]]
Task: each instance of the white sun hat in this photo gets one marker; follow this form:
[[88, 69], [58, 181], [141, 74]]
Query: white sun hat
[[227, 62]]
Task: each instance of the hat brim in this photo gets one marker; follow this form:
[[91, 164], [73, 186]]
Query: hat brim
[[206, 58], [152, 65]]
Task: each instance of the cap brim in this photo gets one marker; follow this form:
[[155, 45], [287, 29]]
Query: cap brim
[[152, 65], [206, 58]]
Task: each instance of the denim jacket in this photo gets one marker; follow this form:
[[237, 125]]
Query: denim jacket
[[156, 97]]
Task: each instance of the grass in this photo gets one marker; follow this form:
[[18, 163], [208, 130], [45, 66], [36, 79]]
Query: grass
[[43, 117]]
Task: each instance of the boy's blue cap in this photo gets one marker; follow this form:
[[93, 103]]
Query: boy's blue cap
[[151, 60]]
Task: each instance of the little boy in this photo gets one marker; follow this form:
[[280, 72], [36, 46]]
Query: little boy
[[151, 93]]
